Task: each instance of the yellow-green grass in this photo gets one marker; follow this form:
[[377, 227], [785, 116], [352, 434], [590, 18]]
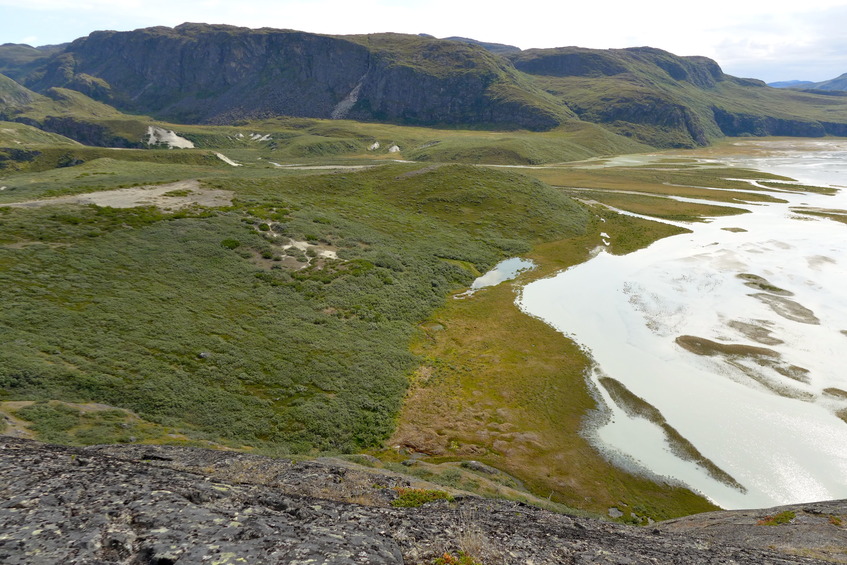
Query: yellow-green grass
[[834, 215], [13, 134], [656, 206], [703, 183], [509, 390], [310, 140], [87, 424]]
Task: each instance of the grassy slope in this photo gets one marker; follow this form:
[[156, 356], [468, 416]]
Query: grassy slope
[[17, 59], [14, 134], [304, 140], [643, 84], [305, 360]]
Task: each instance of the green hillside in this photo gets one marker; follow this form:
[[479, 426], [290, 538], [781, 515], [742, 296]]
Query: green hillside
[[669, 101], [304, 359], [237, 75]]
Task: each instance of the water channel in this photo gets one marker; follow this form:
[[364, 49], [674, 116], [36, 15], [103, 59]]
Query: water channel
[[720, 354]]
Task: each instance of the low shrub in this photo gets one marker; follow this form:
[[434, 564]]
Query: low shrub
[[777, 519], [461, 558], [414, 497]]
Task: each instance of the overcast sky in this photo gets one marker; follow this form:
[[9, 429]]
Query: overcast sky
[[766, 39]]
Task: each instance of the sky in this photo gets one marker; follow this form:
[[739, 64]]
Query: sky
[[770, 40]]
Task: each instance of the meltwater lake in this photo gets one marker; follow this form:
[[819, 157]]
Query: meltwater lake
[[733, 337]]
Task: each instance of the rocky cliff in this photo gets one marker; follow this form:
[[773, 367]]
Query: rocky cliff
[[198, 73], [203, 73], [167, 505], [670, 101]]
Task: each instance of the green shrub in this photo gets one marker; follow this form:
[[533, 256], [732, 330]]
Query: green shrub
[[461, 558], [51, 421], [777, 519], [414, 497], [115, 304]]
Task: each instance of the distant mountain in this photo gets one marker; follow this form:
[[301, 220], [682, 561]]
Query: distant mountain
[[17, 59], [71, 114], [198, 73], [790, 84], [838, 83], [219, 74], [13, 95], [498, 48], [670, 101]]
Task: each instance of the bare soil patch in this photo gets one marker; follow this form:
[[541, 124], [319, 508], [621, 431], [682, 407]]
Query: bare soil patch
[[171, 196]]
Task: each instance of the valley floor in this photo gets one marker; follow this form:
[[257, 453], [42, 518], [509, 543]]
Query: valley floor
[[286, 309]]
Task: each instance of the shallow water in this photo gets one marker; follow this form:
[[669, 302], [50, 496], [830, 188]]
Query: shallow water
[[760, 418], [503, 271]]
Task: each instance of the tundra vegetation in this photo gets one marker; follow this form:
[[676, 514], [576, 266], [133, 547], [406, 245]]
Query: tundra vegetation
[[313, 313]]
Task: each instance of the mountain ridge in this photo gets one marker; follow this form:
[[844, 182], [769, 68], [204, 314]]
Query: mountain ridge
[[219, 74]]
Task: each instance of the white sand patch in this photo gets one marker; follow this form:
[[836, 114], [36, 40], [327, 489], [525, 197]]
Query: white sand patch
[[187, 193], [161, 136], [374, 146], [227, 160], [320, 250], [394, 149]]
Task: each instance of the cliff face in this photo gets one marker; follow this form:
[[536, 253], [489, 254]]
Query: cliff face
[[201, 73], [198, 73], [164, 505], [671, 101]]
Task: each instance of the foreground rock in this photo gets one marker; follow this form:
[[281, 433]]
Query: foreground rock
[[166, 505]]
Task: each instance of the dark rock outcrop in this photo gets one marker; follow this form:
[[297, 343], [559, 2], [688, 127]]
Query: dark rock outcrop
[[217, 74], [157, 505], [742, 124]]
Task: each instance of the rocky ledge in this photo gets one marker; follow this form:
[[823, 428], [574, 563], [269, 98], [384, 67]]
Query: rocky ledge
[[168, 505]]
